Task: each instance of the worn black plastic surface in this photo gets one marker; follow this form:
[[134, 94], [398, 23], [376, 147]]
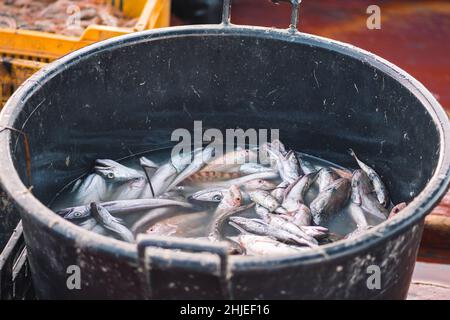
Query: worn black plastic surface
[[129, 94]]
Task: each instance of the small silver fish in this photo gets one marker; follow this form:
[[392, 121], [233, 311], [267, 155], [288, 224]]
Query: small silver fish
[[330, 200], [197, 163], [362, 195], [241, 181], [279, 191], [250, 168], [301, 216], [259, 184], [265, 246], [306, 166], [92, 188], [230, 205], [120, 207], [162, 178], [378, 185], [296, 191], [121, 182], [103, 217], [284, 224], [209, 195], [231, 161], [259, 227], [265, 199], [287, 165], [326, 176], [149, 166]]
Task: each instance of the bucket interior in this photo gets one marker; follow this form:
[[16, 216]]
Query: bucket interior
[[129, 97]]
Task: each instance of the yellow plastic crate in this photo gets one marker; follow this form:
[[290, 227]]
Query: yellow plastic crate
[[23, 52]]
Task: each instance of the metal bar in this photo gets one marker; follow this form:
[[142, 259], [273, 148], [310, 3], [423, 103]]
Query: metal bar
[[294, 15], [226, 12]]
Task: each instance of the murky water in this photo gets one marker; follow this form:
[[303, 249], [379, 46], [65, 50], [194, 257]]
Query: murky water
[[194, 223]]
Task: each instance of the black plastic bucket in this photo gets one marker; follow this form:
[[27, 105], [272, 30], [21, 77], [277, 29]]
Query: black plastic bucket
[[130, 93]]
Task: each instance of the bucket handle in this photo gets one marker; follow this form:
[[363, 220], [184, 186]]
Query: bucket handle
[[293, 28], [151, 258]]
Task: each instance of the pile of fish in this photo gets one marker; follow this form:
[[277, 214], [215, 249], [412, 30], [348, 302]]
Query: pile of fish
[[277, 205], [66, 17]]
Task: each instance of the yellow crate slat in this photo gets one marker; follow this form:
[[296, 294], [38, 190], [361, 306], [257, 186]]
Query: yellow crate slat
[[19, 46]]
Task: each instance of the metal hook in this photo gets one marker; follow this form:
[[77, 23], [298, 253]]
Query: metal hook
[[226, 13]]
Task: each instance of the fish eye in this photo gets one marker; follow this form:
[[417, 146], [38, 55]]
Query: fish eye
[[77, 214], [110, 175], [217, 197]]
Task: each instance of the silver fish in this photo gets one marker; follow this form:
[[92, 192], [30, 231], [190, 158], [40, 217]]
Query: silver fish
[[149, 166], [162, 178], [150, 169], [259, 184], [259, 227], [121, 183], [197, 163], [265, 199], [378, 185], [362, 195], [287, 165], [301, 216], [231, 161], [296, 191], [250, 168], [93, 188], [326, 177], [230, 205], [330, 200], [181, 161], [103, 217], [284, 224], [239, 181], [306, 166], [265, 246], [279, 191], [357, 214], [120, 207], [209, 195]]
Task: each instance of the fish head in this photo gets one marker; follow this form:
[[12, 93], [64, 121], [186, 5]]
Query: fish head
[[233, 198], [117, 173], [260, 184], [75, 213], [89, 184], [209, 195]]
